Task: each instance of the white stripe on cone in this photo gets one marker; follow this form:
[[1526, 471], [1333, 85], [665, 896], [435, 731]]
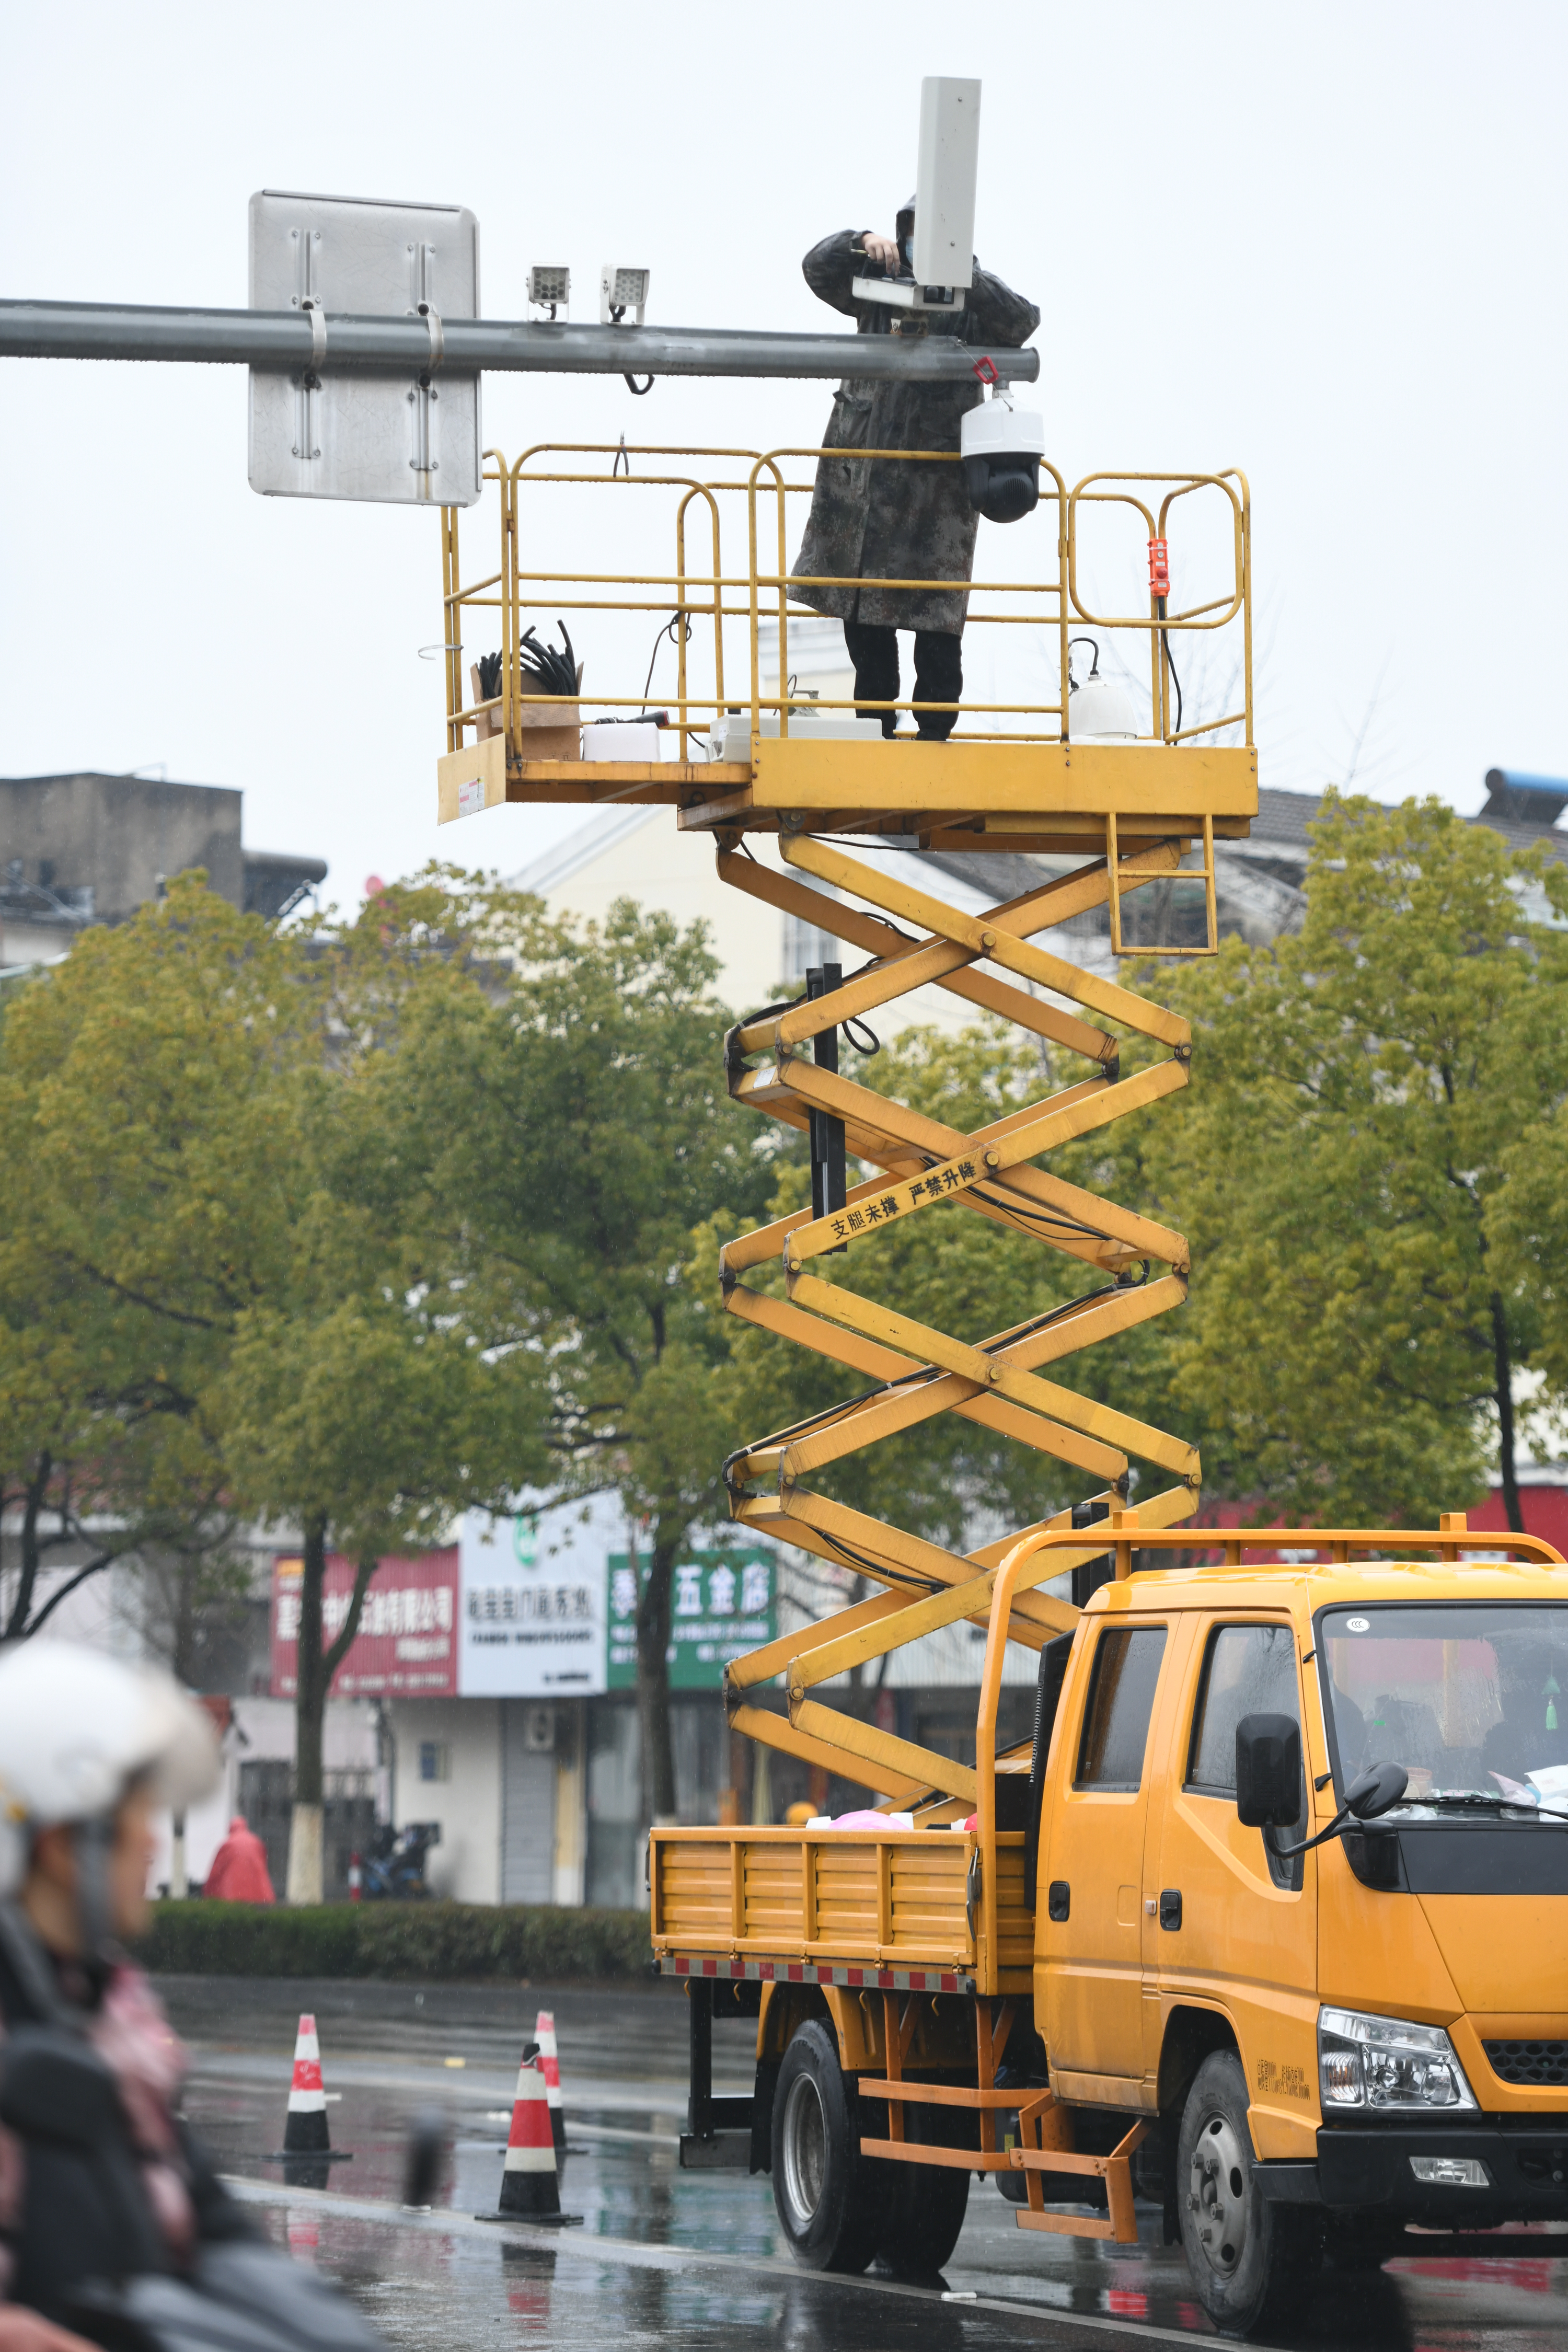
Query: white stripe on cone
[[550, 2062], [306, 2095], [530, 2146]]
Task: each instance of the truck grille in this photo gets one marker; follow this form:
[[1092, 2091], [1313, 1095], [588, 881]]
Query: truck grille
[[1541, 2063]]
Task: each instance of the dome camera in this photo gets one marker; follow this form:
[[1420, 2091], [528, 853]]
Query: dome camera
[[1001, 447]]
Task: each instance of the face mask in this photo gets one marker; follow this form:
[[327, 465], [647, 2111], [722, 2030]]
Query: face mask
[[907, 247]]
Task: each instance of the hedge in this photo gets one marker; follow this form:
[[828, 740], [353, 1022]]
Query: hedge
[[426, 1940]]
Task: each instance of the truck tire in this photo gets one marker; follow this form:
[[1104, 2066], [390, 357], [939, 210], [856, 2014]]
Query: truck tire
[[831, 2202], [926, 2203], [1252, 2262]]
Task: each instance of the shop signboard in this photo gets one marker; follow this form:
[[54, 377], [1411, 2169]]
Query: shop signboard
[[532, 1603], [723, 1602], [407, 1646]]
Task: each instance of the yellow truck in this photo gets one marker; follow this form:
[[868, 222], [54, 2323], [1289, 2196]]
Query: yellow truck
[[1268, 1923]]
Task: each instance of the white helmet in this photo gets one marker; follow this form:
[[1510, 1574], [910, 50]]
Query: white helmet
[[76, 1729]]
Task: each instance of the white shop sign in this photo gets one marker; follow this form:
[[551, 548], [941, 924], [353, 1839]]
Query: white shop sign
[[531, 1602]]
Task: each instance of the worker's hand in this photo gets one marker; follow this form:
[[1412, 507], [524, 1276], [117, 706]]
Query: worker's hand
[[882, 250], [22, 2330]]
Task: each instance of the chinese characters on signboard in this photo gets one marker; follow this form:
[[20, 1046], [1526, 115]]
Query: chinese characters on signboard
[[534, 1605], [722, 1603], [405, 1646]]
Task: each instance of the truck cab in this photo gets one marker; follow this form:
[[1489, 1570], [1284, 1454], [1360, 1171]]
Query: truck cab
[[1306, 2030], [1375, 2028]]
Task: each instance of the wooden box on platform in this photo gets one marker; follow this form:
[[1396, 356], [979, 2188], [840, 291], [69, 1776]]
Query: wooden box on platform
[[550, 730]]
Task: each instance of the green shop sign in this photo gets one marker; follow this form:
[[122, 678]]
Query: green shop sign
[[723, 1602]]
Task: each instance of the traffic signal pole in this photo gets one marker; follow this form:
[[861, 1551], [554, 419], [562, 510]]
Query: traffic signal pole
[[293, 339]]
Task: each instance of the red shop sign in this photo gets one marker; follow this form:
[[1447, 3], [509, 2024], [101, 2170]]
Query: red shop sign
[[407, 1646]]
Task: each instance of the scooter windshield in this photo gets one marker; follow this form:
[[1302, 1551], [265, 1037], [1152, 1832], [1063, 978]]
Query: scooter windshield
[[1470, 1696]]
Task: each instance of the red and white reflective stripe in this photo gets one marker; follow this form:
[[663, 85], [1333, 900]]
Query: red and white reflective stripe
[[683, 1964], [530, 2143], [549, 2062], [306, 2096]]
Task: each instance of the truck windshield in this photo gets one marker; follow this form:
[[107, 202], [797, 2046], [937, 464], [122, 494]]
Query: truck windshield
[[1471, 1698]]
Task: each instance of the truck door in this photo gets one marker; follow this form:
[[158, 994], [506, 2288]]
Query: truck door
[[1236, 1927], [1091, 1936]]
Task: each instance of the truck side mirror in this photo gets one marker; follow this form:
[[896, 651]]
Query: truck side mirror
[[1267, 1771], [1376, 1792]]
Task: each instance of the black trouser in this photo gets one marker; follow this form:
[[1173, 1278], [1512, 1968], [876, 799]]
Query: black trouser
[[939, 675]]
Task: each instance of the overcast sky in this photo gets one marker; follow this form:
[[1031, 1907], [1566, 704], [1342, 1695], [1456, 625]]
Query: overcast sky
[[1325, 244]]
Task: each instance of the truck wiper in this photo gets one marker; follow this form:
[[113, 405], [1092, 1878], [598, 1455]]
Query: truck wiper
[[1477, 1800]]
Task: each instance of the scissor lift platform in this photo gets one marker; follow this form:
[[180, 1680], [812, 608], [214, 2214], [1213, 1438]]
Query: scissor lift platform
[[1010, 774], [1106, 818], [1044, 797]]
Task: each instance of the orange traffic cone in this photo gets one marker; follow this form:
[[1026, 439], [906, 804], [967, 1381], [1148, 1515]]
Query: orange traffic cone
[[305, 2131], [550, 2066], [529, 2186]]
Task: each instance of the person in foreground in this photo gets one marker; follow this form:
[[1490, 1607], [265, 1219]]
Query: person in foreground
[[113, 2223], [885, 518]]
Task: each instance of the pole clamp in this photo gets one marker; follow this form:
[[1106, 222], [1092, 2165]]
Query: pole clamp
[[432, 318], [316, 312]]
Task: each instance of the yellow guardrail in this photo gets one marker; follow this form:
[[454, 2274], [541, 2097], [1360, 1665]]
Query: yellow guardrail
[[763, 595]]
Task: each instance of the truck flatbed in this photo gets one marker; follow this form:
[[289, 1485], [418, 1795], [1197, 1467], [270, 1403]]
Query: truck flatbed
[[767, 1903]]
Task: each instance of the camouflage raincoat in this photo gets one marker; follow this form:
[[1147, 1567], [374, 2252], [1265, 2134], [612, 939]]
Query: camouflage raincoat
[[881, 519]]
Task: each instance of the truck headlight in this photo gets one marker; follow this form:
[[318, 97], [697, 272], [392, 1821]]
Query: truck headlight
[[1388, 2064]]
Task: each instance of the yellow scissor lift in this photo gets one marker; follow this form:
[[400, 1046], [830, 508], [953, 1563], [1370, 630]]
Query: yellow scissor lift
[[1009, 778]]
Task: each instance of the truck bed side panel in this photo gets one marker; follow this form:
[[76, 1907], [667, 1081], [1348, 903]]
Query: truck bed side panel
[[894, 1901]]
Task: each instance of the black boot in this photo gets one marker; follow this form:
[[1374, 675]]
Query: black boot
[[875, 653], [939, 678]]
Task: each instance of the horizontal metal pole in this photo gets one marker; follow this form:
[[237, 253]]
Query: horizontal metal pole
[[281, 338]]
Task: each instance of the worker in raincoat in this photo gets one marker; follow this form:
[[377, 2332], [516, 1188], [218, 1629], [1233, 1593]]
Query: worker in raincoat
[[239, 1871], [883, 519]]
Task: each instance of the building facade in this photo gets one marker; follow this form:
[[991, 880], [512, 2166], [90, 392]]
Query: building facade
[[90, 848]]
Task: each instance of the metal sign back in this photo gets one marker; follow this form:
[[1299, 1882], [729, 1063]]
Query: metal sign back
[[399, 437]]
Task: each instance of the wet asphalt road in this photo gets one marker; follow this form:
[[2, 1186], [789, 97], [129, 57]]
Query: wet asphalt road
[[665, 2258]]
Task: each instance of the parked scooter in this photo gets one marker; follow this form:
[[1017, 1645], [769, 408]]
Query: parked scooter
[[394, 1868]]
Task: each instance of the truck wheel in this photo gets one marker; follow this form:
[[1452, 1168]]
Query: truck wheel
[[926, 2203], [1251, 2262], [829, 2199]]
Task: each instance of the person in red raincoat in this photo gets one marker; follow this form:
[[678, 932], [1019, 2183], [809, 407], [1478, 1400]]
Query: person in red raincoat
[[239, 1871]]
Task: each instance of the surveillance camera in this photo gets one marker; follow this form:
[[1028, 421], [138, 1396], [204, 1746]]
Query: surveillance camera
[[621, 289], [1002, 447]]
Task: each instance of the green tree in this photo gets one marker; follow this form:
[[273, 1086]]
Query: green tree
[[571, 1126], [1344, 1161], [228, 1295], [145, 1136], [384, 1383], [1368, 1165]]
